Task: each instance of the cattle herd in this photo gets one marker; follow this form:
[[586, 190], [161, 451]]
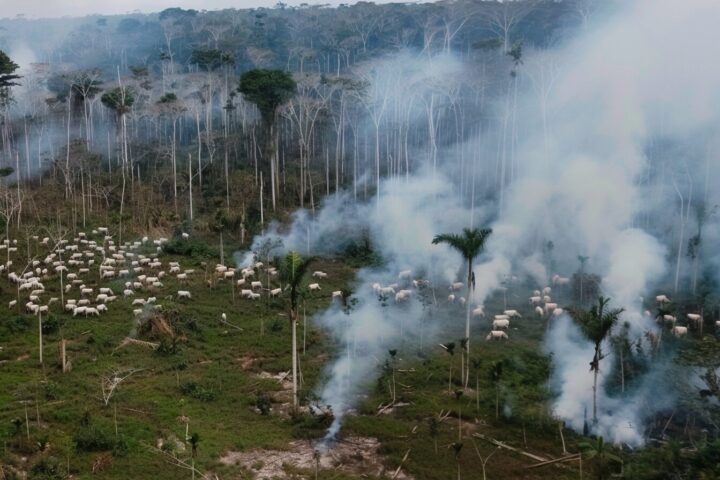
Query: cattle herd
[[90, 268]]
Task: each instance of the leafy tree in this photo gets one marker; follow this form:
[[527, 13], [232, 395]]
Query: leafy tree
[[596, 323], [470, 244], [7, 78], [211, 59], [119, 99], [268, 90], [292, 270]]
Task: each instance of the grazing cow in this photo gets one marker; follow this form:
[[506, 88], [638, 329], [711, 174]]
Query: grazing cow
[[669, 319], [549, 307], [558, 280], [255, 285], [137, 312], [496, 335], [240, 282], [512, 313], [694, 317], [662, 299], [679, 331], [254, 296], [478, 312], [386, 291], [128, 293], [313, 286], [275, 292], [451, 298], [403, 295], [539, 311], [405, 275], [501, 323], [319, 274], [557, 312], [245, 293], [535, 300], [183, 294], [457, 286]]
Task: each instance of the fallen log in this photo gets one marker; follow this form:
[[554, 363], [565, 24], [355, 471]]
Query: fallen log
[[508, 447], [567, 458]]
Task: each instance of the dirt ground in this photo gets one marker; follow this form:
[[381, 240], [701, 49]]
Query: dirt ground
[[354, 455]]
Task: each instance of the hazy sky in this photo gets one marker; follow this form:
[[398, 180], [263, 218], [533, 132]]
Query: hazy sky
[[60, 8]]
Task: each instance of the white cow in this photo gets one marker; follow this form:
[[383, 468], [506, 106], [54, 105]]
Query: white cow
[[275, 292], [244, 293], [255, 285], [478, 312], [501, 323], [662, 299], [535, 300], [338, 294], [496, 335], [183, 294], [456, 286], [679, 331], [512, 313], [403, 295], [319, 274], [405, 275]]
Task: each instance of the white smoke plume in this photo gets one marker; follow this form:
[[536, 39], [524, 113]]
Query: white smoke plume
[[579, 176]]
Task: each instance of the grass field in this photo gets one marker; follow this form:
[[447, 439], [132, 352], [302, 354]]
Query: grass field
[[209, 380]]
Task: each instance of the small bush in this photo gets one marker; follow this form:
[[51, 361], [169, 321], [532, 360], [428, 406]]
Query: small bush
[[15, 325], [198, 391], [193, 248], [93, 439], [51, 325], [47, 469], [262, 402]]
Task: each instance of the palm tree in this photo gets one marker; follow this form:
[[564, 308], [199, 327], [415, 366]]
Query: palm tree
[[601, 456], [457, 448], [595, 324], [470, 244], [292, 270], [450, 349], [495, 376], [194, 441]]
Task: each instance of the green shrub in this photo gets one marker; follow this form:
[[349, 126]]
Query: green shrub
[[262, 402], [193, 247], [93, 439], [15, 325], [198, 391], [47, 469]]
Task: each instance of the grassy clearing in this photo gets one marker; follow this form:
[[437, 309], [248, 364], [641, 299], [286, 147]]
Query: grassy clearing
[[212, 379]]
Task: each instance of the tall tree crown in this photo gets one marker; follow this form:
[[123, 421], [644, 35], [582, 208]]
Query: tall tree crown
[[470, 243], [596, 322], [267, 89]]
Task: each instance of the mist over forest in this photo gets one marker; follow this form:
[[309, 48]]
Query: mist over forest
[[418, 234]]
